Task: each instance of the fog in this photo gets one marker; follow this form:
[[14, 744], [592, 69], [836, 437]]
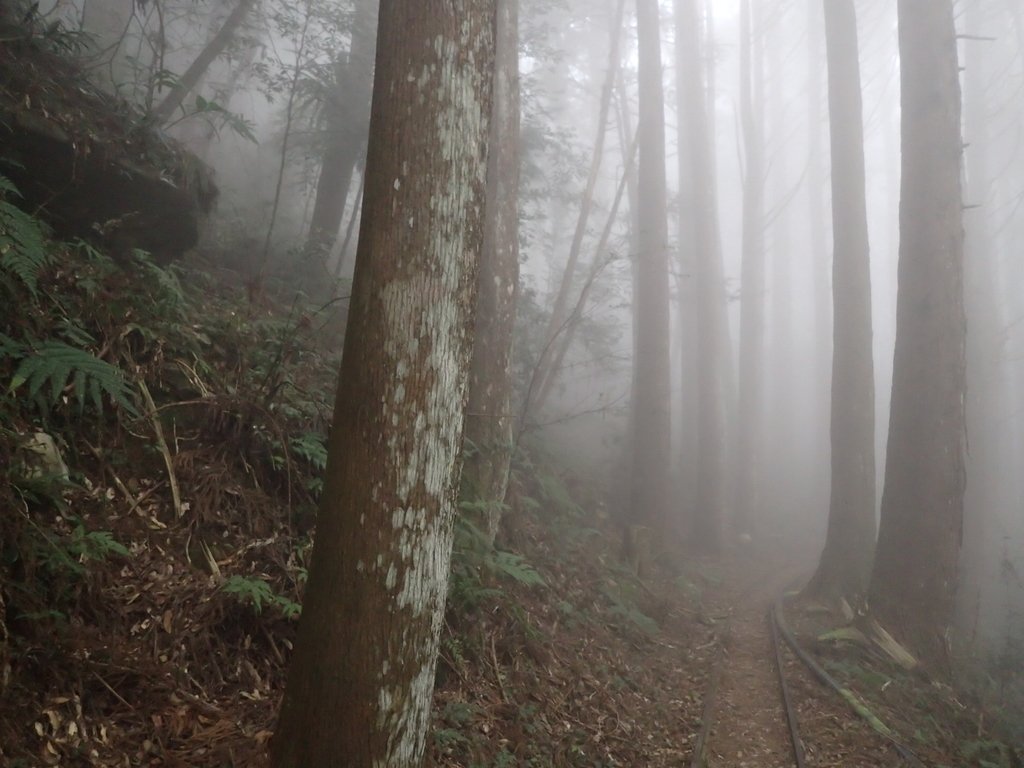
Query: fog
[[265, 113]]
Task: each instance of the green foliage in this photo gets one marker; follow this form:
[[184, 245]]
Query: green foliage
[[516, 568], [257, 593], [23, 249], [68, 555], [48, 367], [97, 546], [623, 598], [476, 563], [312, 447], [988, 753]]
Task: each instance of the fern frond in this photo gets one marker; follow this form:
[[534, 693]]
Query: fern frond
[[23, 248], [52, 363]]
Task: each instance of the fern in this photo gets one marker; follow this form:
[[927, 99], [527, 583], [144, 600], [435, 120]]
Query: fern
[[312, 447], [52, 364], [515, 567], [23, 249], [258, 593]]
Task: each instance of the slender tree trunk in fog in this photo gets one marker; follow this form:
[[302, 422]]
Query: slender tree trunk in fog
[[845, 565], [751, 386], [602, 257], [991, 459], [651, 393], [347, 112], [360, 682], [817, 197], [560, 308], [489, 421], [190, 79], [697, 170], [915, 575]]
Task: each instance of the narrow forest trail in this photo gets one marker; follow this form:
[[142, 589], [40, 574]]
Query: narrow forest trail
[[749, 722]]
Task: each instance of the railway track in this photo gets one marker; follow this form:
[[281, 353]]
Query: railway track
[[757, 657]]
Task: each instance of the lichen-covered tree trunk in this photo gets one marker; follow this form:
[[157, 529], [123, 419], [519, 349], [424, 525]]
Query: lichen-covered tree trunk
[[651, 388], [751, 386], [915, 575], [489, 422], [709, 292], [845, 565], [360, 683], [347, 113]]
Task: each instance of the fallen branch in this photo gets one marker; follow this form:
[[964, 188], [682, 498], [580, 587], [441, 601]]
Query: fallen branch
[[165, 451]]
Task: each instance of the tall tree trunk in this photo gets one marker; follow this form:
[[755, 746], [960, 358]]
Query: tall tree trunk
[[188, 81], [652, 412], [697, 170], [991, 460], [347, 113], [360, 682], [751, 386], [489, 421], [817, 197], [915, 575], [845, 566]]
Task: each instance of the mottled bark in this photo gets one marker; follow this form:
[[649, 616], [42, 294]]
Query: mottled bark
[[751, 386], [915, 574], [489, 422], [191, 77], [360, 683], [347, 113], [651, 392], [845, 566], [697, 171]]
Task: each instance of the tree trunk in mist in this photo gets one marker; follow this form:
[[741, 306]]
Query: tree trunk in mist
[[188, 81], [489, 421], [602, 258], [347, 114], [915, 575], [751, 386], [845, 566], [991, 459], [817, 196], [697, 172], [651, 393], [360, 682], [560, 308]]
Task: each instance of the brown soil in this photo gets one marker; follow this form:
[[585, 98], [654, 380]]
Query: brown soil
[[749, 720]]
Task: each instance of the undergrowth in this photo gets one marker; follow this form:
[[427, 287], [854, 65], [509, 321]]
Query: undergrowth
[[164, 440]]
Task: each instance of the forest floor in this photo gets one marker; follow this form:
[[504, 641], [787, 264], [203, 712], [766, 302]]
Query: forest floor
[[148, 603]]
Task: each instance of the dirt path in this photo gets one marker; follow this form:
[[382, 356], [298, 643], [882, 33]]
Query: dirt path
[[749, 729]]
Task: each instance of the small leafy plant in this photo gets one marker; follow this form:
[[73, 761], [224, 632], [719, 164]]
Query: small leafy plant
[[257, 593]]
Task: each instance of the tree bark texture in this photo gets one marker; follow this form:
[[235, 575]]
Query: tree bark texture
[[915, 574], [845, 566], [489, 421], [651, 393], [361, 680], [347, 114]]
